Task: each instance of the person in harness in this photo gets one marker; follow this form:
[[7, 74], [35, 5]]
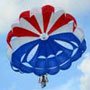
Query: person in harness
[[43, 80]]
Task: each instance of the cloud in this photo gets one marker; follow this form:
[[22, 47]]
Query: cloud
[[66, 86], [71, 5], [85, 82], [8, 13], [85, 65], [85, 69]]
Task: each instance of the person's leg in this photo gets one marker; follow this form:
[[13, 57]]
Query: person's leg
[[43, 84]]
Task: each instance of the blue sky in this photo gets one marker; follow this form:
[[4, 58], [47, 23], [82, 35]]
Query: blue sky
[[75, 78]]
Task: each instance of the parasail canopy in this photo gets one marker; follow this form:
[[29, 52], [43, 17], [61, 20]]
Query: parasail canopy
[[45, 41]]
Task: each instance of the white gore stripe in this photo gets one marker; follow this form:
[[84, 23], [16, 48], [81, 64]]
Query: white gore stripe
[[64, 63], [51, 56], [15, 25], [27, 64], [54, 18], [79, 34], [32, 53], [64, 44], [35, 11], [64, 29], [23, 57], [48, 68], [59, 52], [58, 9], [53, 67], [9, 52], [14, 68], [39, 68], [74, 52], [42, 57], [74, 43], [17, 42], [26, 25], [39, 19]]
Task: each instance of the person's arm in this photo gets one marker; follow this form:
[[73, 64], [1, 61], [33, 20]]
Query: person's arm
[[46, 79]]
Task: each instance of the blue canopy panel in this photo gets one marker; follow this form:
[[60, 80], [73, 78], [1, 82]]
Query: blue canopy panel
[[48, 56]]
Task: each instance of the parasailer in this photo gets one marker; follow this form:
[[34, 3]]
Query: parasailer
[[43, 80], [45, 41]]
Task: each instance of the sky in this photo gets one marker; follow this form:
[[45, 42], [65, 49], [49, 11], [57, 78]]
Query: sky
[[75, 78]]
